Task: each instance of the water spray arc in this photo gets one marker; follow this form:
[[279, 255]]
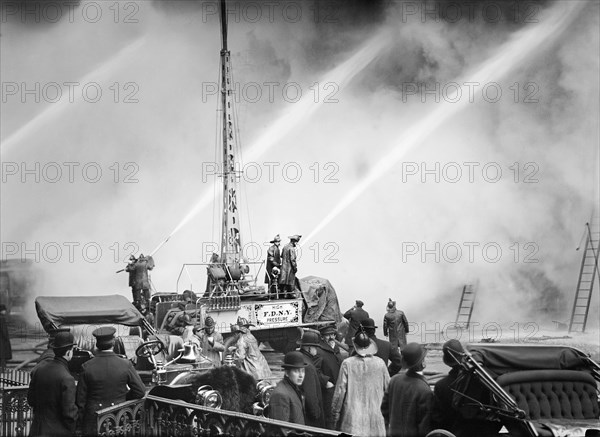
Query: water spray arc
[[300, 112], [511, 54]]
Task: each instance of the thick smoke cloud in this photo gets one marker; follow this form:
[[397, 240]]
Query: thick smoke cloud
[[170, 132]]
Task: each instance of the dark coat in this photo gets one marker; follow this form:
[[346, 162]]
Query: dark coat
[[312, 386], [388, 354], [288, 265], [445, 416], [407, 405], [103, 382], [354, 316], [395, 325], [5, 348], [52, 397], [273, 260], [331, 360], [138, 273], [287, 402]]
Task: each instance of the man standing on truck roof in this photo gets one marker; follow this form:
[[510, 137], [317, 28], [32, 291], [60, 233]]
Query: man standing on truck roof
[[51, 391], [106, 380], [289, 267], [138, 277], [273, 260]]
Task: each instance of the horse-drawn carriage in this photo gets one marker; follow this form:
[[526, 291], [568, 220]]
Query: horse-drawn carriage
[[529, 390]]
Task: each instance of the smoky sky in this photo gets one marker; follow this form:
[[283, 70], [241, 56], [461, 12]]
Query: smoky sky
[[542, 131]]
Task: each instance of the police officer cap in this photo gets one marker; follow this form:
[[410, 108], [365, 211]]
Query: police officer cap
[[104, 335]]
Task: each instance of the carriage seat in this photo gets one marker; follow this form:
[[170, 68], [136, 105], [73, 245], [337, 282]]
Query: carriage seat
[[553, 394]]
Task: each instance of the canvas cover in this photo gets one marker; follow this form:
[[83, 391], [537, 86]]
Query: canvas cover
[[501, 359], [321, 300], [89, 310]]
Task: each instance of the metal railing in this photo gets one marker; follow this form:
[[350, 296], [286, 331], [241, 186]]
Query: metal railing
[[156, 416]]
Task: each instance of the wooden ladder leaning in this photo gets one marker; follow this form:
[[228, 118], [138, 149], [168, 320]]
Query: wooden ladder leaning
[[586, 280], [465, 307]]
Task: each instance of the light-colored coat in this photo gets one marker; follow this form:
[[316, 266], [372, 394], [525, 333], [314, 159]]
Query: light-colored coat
[[356, 406], [251, 358]]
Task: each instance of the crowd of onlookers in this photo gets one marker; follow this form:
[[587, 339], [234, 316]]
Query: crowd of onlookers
[[373, 387]]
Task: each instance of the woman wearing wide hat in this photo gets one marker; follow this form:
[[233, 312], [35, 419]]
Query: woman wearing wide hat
[[363, 379]]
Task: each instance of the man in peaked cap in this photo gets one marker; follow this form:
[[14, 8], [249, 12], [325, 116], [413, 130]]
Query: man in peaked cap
[[287, 399], [273, 260], [51, 391], [289, 267], [355, 316], [408, 402], [105, 379]]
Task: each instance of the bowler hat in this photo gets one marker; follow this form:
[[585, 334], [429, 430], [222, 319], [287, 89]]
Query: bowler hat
[[63, 339], [295, 237], [368, 323], [294, 360], [309, 338], [275, 239], [452, 351], [105, 335], [363, 345], [413, 354], [52, 334], [329, 329]]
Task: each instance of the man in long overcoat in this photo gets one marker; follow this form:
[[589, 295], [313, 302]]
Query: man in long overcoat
[[287, 278], [273, 260], [331, 361], [210, 341], [395, 325], [287, 399], [51, 392], [106, 380]]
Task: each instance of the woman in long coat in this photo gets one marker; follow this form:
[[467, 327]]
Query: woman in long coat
[[359, 390]]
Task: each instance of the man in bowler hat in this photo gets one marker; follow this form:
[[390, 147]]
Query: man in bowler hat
[[105, 379], [287, 399], [385, 351], [51, 391], [408, 401]]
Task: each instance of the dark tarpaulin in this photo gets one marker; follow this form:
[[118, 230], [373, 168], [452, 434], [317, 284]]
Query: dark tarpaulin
[[321, 300], [92, 310], [502, 359]]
